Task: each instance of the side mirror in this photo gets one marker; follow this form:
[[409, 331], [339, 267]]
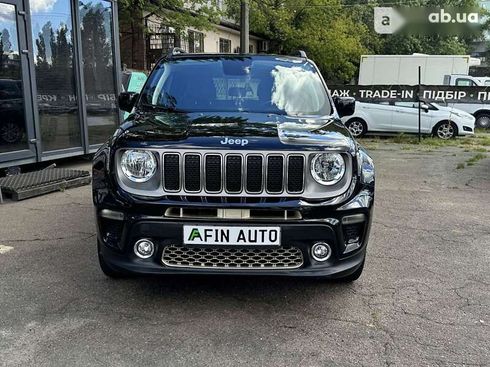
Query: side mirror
[[425, 107], [345, 105], [127, 100]]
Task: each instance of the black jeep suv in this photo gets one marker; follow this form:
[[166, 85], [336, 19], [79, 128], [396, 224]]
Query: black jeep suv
[[233, 164]]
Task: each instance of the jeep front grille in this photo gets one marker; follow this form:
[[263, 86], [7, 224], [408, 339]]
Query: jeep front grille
[[232, 258], [234, 173]]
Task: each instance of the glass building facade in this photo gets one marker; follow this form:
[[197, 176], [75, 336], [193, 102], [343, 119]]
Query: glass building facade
[[59, 78]]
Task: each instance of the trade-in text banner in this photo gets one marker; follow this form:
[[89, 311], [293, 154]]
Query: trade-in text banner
[[409, 93]]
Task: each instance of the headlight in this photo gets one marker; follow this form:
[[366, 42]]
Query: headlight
[[327, 168], [366, 165], [138, 165]]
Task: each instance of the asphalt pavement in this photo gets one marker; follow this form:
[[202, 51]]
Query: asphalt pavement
[[423, 299]]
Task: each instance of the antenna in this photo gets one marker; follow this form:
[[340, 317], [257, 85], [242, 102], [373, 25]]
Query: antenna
[[176, 51], [302, 54]]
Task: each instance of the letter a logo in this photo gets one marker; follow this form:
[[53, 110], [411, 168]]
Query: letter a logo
[[387, 20], [194, 234]]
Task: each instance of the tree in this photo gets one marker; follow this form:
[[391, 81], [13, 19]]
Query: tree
[[335, 33], [323, 28], [97, 49], [6, 44], [404, 43], [178, 14], [1, 54]]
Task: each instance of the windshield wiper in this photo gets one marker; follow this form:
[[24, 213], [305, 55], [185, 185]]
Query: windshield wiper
[[162, 108]]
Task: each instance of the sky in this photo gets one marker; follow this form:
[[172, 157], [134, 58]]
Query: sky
[[7, 21]]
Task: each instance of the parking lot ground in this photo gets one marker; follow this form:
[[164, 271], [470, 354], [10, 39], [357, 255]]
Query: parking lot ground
[[423, 300]]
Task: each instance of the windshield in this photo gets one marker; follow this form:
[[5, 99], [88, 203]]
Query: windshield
[[247, 84]]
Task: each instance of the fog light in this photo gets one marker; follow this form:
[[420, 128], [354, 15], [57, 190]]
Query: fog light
[[321, 251], [144, 249]]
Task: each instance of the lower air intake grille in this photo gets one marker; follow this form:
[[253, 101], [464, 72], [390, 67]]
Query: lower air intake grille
[[232, 258]]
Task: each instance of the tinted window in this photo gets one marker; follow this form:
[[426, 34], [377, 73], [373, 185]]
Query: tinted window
[[12, 123], [98, 69], [407, 104], [256, 84], [55, 76], [464, 82]]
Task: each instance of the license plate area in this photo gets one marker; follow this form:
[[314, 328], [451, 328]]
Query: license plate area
[[231, 235]]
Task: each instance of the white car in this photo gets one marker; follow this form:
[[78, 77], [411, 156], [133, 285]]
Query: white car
[[402, 117]]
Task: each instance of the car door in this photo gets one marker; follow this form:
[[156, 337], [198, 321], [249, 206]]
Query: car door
[[406, 117], [379, 116]]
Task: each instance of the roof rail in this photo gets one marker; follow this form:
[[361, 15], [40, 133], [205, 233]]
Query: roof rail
[[176, 51], [301, 53]]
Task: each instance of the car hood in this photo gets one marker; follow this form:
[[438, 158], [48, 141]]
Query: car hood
[[233, 131], [450, 110]]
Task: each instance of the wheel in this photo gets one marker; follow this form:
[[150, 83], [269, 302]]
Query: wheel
[[106, 269], [355, 275], [357, 127], [483, 121], [445, 130], [11, 133]]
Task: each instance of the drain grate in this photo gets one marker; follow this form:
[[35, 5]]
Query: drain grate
[[27, 185]]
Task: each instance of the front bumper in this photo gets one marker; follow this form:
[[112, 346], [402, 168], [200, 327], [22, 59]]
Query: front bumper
[[119, 231], [123, 219]]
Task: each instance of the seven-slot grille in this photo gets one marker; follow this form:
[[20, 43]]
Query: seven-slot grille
[[233, 173]]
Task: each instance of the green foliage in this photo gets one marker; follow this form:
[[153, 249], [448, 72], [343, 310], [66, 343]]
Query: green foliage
[[336, 33], [200, 14], [323, 28], [405, 44]]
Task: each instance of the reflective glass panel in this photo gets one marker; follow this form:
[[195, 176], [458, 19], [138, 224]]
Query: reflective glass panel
[[98, 68], [12, 122], [55, 75]]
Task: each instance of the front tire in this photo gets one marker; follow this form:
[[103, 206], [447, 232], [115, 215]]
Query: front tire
[[445, 130], [483, 121], [106, 268], [11, 132], [357, 127], [355, 275]]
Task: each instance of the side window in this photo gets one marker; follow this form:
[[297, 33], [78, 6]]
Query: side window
[[463, 82], [406, 104]]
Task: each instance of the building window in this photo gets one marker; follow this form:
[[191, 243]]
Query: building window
[[160, 40], [12, 123], [196, 42], [160, 37], [224, 46], [52, 35], [98, 69]]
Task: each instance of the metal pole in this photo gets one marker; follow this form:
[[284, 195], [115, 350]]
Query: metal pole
[[420, 103], [244, 27]]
